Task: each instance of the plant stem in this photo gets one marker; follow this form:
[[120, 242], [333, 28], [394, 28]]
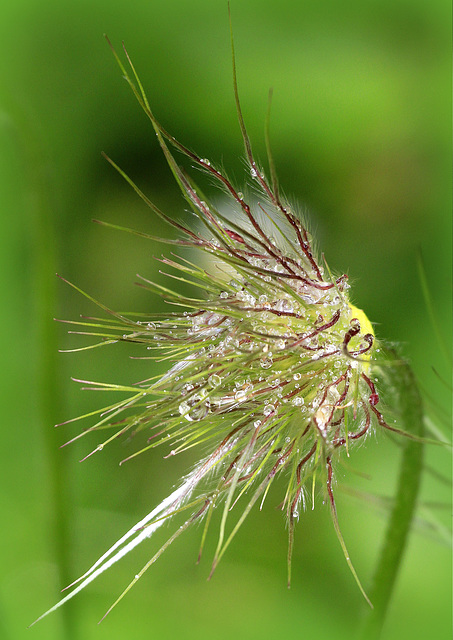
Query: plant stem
[[49, 378], [411, 418]]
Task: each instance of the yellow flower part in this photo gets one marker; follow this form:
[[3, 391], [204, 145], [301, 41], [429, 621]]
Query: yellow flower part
[[365, 326]]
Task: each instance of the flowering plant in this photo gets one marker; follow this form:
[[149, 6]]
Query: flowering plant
[[275, 372]]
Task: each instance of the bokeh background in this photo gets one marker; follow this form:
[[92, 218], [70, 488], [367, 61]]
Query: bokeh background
[[361, 136]]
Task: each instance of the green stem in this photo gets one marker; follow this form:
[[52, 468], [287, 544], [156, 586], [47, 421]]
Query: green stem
[[411, 417], [49, 379]]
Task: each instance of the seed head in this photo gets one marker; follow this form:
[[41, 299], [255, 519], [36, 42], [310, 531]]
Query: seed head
[[271, 368]]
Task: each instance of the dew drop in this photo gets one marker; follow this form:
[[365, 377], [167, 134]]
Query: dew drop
[[268, 409], [266, 363], [215, 380], [183, 408], [284, 305]]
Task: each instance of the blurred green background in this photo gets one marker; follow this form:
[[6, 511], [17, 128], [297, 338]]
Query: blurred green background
[[361, 136]]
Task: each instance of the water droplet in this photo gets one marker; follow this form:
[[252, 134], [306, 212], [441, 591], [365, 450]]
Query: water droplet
[[284, 305], [266, 363], [262, 299], [215, 380], [268, 409], [280, 344], [224, 295], [257, 424], [297, 376], [183, 408], [298, 401]]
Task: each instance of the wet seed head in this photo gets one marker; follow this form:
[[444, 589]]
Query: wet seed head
[[272, 367]]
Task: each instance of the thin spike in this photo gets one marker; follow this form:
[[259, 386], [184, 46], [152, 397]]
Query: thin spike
[[336, 525], [270, 158]]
